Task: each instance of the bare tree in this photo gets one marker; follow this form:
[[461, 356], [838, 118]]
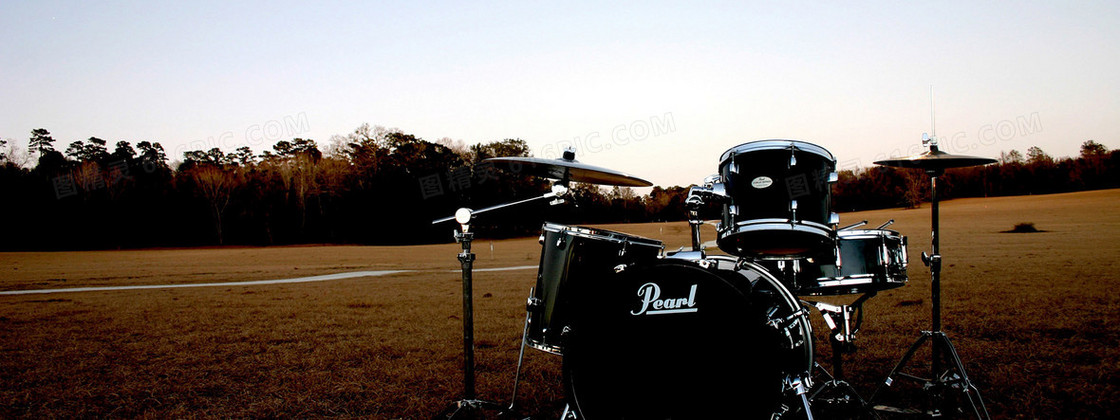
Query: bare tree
[[216, 184], [1036, 156]]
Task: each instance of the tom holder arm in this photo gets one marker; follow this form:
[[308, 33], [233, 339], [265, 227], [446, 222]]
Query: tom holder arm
[[712, 191]]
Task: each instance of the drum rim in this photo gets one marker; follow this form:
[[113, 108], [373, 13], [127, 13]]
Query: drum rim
[[776, 144], [740, 264], [596, 233], [867, 233], [754, 224], [540, 345]]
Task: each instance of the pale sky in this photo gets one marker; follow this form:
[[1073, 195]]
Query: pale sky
[[655, 89]]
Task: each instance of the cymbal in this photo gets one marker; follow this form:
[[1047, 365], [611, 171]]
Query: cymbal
[[567, 170], [936, 160]]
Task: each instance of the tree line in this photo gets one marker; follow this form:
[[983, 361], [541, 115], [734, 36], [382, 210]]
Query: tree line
[[384, 186], [1013, 174]]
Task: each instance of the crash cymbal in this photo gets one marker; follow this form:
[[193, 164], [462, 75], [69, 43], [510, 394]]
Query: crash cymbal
[[936, 160], [567, 169]]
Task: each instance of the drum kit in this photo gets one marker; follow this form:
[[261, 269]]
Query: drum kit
[[646, 333]]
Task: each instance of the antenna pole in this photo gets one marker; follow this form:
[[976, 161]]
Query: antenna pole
[[932, 115]]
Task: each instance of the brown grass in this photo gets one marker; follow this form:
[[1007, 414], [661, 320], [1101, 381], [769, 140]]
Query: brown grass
[[1033, 316]]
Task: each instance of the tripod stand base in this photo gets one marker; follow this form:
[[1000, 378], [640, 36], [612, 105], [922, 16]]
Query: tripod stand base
[[951, 378], [836, 398], [476, 409]]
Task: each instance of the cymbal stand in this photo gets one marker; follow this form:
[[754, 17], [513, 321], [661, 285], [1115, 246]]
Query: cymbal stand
[[469, 406], [835, 391], [952, 377]]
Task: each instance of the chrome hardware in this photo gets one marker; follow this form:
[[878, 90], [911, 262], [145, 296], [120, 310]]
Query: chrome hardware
[[531, 303], [884, 225], [784, 325], [833, 178]]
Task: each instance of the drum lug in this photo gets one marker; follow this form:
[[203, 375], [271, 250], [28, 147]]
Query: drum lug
[[833, 219], [619, 268], [833, 177], [905, 257], [884, 252], [792, 210], [532, 303], [784, 325]]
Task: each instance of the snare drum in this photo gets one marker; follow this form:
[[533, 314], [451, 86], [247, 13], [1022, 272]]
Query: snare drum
[[780, 203], [863, 261], [573, 260]]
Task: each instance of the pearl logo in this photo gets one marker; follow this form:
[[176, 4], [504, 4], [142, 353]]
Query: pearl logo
[[762, 182], [653, 304]]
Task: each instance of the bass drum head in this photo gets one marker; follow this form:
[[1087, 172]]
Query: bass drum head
[[674, 340]]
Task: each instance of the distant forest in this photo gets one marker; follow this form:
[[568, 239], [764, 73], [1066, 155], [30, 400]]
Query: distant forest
[[380, 186]]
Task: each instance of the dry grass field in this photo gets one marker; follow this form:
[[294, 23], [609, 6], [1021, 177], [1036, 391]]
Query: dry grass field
[[1033, 315]]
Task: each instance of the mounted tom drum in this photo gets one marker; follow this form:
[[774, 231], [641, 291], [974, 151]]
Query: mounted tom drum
[[780, 200]]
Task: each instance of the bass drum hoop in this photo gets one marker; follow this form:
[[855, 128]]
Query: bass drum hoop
[[600, 235], [791, 300]]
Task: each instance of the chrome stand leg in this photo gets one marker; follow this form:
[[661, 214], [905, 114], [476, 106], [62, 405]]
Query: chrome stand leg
[[798, 386], [520, 358], [954, 377]]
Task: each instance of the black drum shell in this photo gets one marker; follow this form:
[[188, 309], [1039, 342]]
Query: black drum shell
[[758, 221], [868, 260], [575, 258]]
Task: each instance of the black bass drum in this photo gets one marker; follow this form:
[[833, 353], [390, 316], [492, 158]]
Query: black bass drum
[[685, 339]]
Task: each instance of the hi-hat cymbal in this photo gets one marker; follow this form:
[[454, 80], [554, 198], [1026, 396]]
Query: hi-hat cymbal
[[936, 160], [567, 170]]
